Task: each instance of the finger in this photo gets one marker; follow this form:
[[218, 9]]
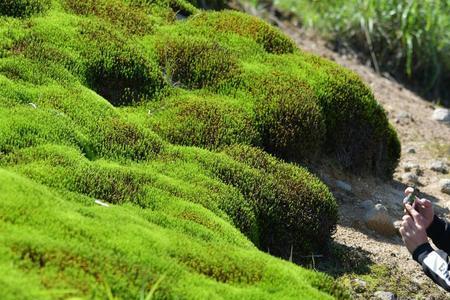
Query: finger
[[407, 227], [409, 190], [410, 222], [406, 234], [414, 213], [424, 202]]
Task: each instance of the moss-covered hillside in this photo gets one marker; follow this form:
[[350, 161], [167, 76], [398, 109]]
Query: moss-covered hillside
[[191, 127]]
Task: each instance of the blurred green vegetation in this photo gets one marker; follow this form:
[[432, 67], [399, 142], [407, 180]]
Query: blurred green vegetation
[[410, 39]]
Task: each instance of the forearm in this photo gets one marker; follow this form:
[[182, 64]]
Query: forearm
[[434, 264], [439, 232]]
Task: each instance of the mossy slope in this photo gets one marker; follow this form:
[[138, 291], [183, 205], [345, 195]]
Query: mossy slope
[[106, 99]]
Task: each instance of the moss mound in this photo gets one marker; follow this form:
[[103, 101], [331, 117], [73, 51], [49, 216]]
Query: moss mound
[[280, 195], [195, 63], [358, 131], [288, 116], [269, 37], [283, 195], [204, 120], [23, 8], [117, 69]]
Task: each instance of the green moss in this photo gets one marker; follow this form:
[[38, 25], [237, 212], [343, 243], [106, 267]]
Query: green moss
[[117, 69], [194, 62], [118, 184], [117, 13], [287, 114], [358, 130], [204, 120], [117, 139], [297, 212], [23, 8], [245, 25], [26, 126], [52, 239], [358, 134], [294, 211]]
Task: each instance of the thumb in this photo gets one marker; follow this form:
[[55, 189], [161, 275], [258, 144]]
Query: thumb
[[409, 190]]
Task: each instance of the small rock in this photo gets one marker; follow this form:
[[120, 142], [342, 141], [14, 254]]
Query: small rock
[[379, 220], [411, 150], [419, 172], [439, 166], [343, 185], [408, 166], [441, 115], [445, 185], [359, 285], [410, 178], [383, 295], [101, 203], [403, 117], [397, 224]]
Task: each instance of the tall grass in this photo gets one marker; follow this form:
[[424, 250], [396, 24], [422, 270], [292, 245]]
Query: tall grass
[[410, 39]]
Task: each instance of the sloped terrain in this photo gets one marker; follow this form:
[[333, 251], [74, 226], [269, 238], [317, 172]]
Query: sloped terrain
[[189, 133]]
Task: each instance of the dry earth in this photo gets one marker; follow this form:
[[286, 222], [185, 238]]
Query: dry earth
[[423, 141]]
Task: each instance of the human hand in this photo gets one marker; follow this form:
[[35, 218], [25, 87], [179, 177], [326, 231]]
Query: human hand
[[413, 235], [421, 211]]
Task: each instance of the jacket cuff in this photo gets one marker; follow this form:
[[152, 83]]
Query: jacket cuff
[[436, 227], [421, 252]]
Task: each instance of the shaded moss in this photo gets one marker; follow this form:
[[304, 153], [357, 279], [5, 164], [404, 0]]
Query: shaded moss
[[297, 212], [117, 69], [358, 130], [195, 63], [116, 12], [23, 8], [287, 114]]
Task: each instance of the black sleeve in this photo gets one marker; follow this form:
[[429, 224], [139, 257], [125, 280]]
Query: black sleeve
[[434, 264], [439, 232]]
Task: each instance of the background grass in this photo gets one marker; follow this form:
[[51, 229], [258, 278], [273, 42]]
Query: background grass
[[408, 39]]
